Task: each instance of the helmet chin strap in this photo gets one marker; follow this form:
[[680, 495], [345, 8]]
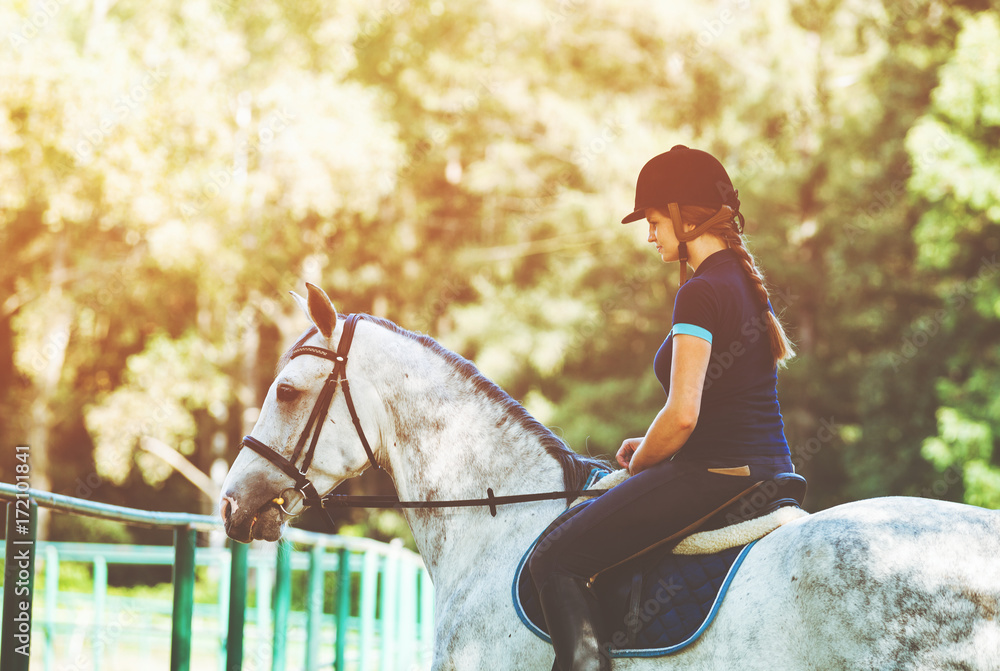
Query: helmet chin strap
[[725, 213]]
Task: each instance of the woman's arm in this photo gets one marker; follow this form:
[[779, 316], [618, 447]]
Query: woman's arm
[[677, 419]]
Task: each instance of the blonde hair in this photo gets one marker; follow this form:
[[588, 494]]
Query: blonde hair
[[781, 347]]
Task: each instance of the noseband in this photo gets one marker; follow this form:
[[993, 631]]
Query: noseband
[[337, 377], [302, 483]]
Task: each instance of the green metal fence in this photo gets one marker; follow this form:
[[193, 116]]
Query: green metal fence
[[381, 619]]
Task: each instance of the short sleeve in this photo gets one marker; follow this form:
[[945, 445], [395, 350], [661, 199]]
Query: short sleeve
[[696, 310]]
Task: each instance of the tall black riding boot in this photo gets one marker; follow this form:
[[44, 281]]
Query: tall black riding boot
[[574, 621]]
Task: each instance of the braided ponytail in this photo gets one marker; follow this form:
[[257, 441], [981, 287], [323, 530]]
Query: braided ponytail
[[730, 233]]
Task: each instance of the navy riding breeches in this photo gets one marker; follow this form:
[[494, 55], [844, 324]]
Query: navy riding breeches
[[646, 508]]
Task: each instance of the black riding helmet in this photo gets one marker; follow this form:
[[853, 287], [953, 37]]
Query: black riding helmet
[[684, 176]]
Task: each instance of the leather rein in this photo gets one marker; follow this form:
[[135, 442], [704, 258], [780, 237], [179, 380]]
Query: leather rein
[[304, 486]]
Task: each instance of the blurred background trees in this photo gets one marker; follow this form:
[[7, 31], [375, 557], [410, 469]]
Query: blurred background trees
[[168, 171]]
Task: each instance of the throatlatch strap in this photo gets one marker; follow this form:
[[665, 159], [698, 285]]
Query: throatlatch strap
[[342, 348], [357, 425], [337, 376]]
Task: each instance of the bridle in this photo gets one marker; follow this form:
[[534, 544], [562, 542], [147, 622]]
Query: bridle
[[304, 486], [337, 377]]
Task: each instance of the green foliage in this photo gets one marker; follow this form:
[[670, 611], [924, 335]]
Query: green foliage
[[172, 170], [956, 156], [382, 525], [162, 387]]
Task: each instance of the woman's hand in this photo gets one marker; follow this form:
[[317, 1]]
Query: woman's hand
[[625, 452]]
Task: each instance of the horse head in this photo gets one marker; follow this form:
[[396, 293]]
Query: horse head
[[304, 440]]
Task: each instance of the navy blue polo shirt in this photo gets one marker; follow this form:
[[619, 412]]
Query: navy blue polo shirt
[[739, 414]]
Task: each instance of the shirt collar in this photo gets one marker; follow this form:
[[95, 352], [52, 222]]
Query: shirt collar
[[716, 259]]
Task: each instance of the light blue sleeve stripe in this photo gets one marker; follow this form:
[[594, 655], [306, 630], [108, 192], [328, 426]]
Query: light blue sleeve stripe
[[691, 329]]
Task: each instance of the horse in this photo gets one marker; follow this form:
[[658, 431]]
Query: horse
[[884, 583]]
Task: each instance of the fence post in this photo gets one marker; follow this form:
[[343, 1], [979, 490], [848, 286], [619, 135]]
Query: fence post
[[51, 601], [314, 606], [18, 585], [379, 583], [237, 605], [282, 604], [426, 616], [389, 605], [100, 599], [265, 600], [343, 603], [369, 593], [407, 633], [185, 539]]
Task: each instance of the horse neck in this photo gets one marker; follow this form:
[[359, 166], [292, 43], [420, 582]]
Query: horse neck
[[453, 437]]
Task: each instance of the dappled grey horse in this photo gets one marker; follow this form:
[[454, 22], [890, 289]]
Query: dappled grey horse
[[889, 583]]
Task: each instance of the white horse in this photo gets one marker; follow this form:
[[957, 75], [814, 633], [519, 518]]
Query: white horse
[[890, 583]]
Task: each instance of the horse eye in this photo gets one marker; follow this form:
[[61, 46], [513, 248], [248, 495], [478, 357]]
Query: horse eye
[[287, 392]]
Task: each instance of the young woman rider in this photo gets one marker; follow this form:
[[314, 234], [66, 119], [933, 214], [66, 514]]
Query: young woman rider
[[720, 430]]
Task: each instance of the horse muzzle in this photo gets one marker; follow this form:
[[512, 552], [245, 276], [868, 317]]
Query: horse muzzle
[[246, 522]]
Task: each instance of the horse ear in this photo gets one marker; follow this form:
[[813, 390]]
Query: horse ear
[[321, 310], [303, 305]]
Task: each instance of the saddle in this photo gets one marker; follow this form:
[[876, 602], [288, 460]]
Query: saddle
[[662, 599]]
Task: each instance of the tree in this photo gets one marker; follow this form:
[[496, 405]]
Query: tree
[[172, 170], [954, 149]]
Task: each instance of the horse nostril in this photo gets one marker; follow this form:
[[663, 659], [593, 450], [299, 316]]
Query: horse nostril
[[228, 507]]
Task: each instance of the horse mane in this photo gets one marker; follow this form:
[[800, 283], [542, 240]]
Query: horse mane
[[576, 467]]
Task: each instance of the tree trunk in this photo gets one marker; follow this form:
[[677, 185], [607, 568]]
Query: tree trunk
[[47, 368]]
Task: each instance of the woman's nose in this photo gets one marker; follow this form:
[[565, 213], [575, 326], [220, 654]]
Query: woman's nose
[[652, 234]]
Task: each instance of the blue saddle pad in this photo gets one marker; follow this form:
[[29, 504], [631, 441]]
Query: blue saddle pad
[[653, 605]]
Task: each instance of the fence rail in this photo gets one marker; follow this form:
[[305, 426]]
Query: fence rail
[[391, 584]]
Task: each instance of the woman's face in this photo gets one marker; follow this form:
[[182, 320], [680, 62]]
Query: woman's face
[[661, 234]]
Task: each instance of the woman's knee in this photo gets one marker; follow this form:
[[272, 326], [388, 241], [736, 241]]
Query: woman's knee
[[548, 555], [541, 564]]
